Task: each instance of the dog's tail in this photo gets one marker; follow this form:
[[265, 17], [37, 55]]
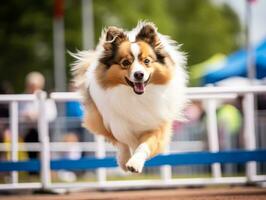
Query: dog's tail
[[80, 66]]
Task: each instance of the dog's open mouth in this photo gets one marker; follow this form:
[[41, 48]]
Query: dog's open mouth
[[138, 87]]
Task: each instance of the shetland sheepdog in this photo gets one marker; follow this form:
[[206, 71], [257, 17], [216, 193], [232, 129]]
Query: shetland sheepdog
[[133, 88]]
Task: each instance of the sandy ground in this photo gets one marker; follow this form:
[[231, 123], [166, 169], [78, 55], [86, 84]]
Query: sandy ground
[[235, 193]]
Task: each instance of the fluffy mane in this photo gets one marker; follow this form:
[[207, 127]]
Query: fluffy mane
[[83, 60]]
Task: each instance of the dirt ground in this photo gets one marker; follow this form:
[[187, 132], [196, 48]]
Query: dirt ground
[[235, 193]]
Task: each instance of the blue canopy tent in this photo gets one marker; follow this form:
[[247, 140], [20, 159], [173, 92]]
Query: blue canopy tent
[[236, 65]]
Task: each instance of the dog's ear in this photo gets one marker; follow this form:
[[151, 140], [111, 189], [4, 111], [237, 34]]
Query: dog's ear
[[114, 37], [148, 33]]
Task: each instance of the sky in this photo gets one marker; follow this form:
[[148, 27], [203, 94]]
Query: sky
[[258, 16]]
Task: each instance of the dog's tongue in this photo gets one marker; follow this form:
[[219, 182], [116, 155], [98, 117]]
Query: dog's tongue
[[139, 88]]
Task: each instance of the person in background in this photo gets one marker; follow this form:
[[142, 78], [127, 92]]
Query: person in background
[[5, 131], [74, 114], [28, 111], [4, 117], [73, 153]]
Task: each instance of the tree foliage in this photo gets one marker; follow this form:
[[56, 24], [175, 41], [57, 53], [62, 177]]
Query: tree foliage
[[26, 30]]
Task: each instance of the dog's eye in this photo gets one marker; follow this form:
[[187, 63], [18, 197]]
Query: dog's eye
[[146, 61], [125, 63]]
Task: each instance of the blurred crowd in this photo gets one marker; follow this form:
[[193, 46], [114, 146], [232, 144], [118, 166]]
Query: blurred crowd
[[70, 131]]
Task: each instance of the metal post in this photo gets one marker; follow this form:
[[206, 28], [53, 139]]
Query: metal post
[[100, 153], [87, 24], [14, 137], [213, 134], [251, 70], [249, 132], [59, 58], [166, 170], [44, 140], [59, 46]]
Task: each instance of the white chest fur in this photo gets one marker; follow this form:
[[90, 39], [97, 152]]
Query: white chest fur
[[127, 114]]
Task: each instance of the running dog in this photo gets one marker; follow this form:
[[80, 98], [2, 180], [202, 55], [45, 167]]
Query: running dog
[[133, 87]]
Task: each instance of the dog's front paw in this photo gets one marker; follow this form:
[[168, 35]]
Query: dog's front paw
[[135, 164], [123, 156]]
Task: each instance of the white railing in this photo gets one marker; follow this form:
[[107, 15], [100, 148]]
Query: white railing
[[175, 146], [209, 95], [13, 101]]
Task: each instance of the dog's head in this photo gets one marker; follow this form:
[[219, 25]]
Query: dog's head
[[134, 62]]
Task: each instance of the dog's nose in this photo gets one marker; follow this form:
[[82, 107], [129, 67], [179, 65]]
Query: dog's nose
[[138, 75]]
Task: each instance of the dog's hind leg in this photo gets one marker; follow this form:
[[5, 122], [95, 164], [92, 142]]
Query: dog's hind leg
[[93, 121], [151, 143], [123, 155]]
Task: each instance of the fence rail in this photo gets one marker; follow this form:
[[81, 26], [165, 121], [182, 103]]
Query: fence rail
[[215, 157], [175, 146], [174, 159]]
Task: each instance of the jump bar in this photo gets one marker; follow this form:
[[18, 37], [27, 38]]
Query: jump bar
[[192, 158]]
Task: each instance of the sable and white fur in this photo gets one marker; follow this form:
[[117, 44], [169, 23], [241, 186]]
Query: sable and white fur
[[138, 125]]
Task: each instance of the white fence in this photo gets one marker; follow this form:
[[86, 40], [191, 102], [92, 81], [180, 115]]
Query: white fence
[[209, 95]]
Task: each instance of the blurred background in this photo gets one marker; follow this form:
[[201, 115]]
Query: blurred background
[[225, 42], [204, 28]]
